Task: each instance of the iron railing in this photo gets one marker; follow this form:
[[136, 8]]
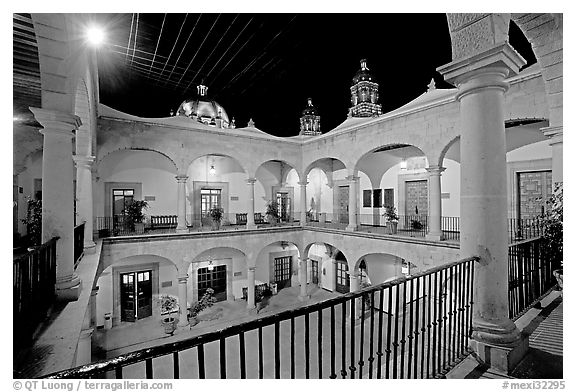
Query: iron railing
[[451, 228], [78, 242], [34, 277], [529, 274], [412, 327]]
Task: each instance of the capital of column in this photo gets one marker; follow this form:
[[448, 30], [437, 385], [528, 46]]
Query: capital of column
[[251, 181], [435, 170], [83, 161], [352, 178], [182, 279], [302, 183], [181, 178], [56, 122], [555, 134], [483, 70], [251, 269]]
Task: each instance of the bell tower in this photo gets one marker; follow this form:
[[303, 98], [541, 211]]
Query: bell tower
[[364, 94], [310, 121]]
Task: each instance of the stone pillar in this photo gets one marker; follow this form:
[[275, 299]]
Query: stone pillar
[[93, 307], [483, 202], [84, 206], [183, 299], [84, 348], [303, 277], [250, 224], [251, 300], [303, 202], [554, 134], [58, 195], [181, 227], [435, 197], [352, 203]]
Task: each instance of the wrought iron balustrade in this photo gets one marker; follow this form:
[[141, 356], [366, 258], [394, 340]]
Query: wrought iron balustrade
[[78, 242], [412, 327]]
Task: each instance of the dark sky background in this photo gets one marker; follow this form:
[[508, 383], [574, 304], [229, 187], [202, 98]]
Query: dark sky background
[[265, 66]]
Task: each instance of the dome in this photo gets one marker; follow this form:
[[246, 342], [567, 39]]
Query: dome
[[203, 109], [363, 74]]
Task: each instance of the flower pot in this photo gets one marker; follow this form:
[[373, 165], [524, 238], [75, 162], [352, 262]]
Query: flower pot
[[392, 227], [139, 228], [215, 225], [169, 323], [272, 220], [559, 275]]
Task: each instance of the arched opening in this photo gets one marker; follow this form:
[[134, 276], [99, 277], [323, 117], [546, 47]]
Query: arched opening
[[277, 183], [215, 181], [328, 267], [326, 196]]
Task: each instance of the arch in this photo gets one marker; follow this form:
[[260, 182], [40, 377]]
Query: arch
[[221, 152], [283, 172], [327, 164], [101, 159], [111, 261], [378, 266], [208, 252]]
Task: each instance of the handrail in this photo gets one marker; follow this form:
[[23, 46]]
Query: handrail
[[36, 249], [229, 331]]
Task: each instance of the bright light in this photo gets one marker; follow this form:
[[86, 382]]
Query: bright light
[[403, 164], [95, 35], [212, 170]]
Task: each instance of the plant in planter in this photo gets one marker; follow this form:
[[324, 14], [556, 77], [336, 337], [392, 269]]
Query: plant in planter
[[391, 219], [416, 224], [168, 306], [205, 302], [216, 213], [272, 212], [33, 221], [554, 232], [135, 215]]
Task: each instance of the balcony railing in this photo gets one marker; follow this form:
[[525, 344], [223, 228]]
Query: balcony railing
[[529, 274], [412, 327], [451, 228], [78, 242], [34, 277]]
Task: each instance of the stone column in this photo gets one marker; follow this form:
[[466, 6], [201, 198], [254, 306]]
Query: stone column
[[483, 202], [183, 299], [84, 348], [58, 195], [251, 300], [250, 224], [181, 227], [303, 202], [84, 206], [303, 277], [352, 203], [93, 307], [435, 197], [554, 134]]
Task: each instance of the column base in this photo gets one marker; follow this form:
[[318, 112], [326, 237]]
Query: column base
[[251, 226], [68, 288], [434, 236], [500, 358], [352, 227], [89, 247], [183, 321], [181, 230], [250, 306]]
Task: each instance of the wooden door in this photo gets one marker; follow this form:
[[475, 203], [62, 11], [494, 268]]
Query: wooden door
[[283, 272], [144, 294], [416, 198], [534, 188], [214, 279], [343, 194], [315, 272], [283, 200], [127, 297], [342, 278]]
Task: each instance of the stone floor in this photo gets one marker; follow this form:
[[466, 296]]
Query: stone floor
[[544, 325]]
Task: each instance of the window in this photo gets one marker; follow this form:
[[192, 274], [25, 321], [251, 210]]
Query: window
[[377, 198], [121, 199], [367, 198], [389, 197], [210, 198]]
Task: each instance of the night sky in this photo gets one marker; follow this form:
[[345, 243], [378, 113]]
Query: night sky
[[265, 66]]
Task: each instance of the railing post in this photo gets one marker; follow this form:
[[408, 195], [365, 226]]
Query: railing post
[[480, 77]]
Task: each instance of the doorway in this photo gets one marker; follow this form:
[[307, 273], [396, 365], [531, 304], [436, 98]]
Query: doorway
[[283, 272], [343, 194], [534, 188], [135, 295], [283, 200], [315, 278], [212, 278], [342, 277]]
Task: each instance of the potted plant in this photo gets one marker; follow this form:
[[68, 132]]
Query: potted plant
[[135, 215], [272, 212], [216, 213], [391, 219], [554, 232], [168, 305], [33, 221], [205, 302]]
